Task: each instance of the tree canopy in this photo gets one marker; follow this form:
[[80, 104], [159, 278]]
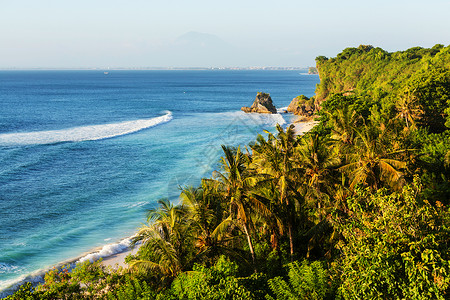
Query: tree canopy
[[357, 208]]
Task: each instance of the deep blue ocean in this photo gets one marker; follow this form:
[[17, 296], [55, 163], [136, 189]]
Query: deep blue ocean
[[83, 154]]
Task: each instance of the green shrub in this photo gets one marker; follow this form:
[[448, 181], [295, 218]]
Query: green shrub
[[217, 282], [306, 281], [396, 247], [133, 288]]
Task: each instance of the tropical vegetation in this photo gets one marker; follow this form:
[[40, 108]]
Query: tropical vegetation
[[357, 208]]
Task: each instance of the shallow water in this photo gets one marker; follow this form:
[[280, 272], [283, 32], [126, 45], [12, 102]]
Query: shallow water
[[83, 155]]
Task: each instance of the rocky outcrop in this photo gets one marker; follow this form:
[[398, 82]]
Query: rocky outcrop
[[262, 104], [303, 106], [312, 71]]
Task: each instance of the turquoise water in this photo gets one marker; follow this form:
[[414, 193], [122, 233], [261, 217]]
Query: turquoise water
[[83, 155]]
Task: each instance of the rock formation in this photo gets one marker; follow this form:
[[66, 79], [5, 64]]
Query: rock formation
[[262, 104], [313, 70], [302, 106]]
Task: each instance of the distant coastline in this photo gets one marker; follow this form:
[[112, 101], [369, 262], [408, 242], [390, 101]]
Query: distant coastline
[[163, 68]]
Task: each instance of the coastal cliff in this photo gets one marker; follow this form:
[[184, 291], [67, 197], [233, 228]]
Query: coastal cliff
[[262, 104]]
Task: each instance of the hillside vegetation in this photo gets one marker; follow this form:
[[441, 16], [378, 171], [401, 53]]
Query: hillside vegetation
[[358, 208], [416, 78]]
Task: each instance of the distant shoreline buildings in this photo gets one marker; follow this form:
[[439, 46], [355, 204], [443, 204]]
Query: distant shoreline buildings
[[168, 68]]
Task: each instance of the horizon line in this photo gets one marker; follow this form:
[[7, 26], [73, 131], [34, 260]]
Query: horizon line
[[153, 68]]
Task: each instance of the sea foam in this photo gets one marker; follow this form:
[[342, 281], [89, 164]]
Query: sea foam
[[7, 268], [255, 118], [84, 133], [8, 287], [107, 251]]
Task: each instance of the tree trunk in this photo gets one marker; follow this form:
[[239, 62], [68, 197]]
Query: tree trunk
[[291, 241], [250, 245], [319, 208]]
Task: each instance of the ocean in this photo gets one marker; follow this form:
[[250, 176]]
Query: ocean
[[84, 154]]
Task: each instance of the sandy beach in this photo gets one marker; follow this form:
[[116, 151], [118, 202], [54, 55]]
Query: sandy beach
[[118, 260], [302, 127]]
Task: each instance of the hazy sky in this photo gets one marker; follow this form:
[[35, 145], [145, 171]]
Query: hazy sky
[[146, 33]]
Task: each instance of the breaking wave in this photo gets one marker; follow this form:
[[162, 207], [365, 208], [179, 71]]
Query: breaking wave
[[282, 110], [7, 268], [107, 251], [8, 287], [255, 118], [84, 133]]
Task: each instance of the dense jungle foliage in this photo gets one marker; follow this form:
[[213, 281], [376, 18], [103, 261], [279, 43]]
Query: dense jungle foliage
[[357, 208]]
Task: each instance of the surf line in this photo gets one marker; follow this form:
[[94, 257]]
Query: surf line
[[83, 133]]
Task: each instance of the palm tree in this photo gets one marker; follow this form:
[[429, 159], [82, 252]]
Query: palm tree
[[212, 231], [318, 160], [343, 123], [409, 109], [271, 224], [371, 161], [166, 240], [274, 160], [235, 182]]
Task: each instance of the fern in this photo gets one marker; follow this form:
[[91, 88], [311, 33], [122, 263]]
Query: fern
[[306, 281], [133, 289]]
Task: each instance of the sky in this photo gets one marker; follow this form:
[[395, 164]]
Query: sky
[[209, 33]]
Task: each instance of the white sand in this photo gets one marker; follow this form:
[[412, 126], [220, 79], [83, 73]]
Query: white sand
[[118, 260], [302, 127]]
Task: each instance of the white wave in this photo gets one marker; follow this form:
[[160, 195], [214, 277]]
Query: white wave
[[267, 119], [138, 204], [7, 268], [106, 251], [255, 118], [282, 110], [84, 133], [8, 287]]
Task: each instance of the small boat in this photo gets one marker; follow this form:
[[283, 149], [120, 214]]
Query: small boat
[[106, 73]]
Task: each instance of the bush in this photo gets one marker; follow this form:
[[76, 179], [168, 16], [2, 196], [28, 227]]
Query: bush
[[396, 247], [306, 281], [217, 282]]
